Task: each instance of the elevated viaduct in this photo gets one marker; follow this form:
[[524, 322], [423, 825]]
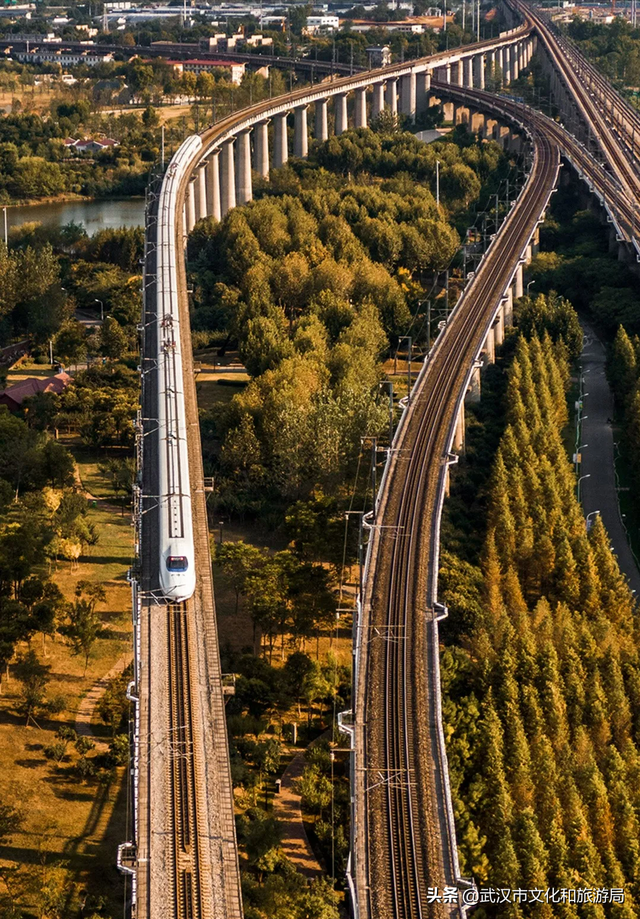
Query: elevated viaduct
[[403, 833]]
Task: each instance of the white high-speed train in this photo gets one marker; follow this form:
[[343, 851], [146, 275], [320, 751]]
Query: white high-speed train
[[177, 557]]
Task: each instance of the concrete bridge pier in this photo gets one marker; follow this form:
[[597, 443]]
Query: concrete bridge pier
[[227, 178], [467, 64], [528, 253], [489, 348], [626, 254], [458, 435], [515, 70], [261, 148], [503, 136], [456, 73], [449, 110], [477, 123], [377, 106], [322, 128], [478, 66], [518, 288], [244, 187], [423, 87], [361, 108], [498, 326], [506, 66], [535, 241], [300, 132], [391, 96], [474, 390], [490, 64], [340, 103], [190, 207], [508, 309], [280, 143], [201, 192], [408, 95], [213, 184]]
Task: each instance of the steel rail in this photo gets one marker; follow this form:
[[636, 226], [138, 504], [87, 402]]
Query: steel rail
[[623, 211], [609, 143], [401, 587], [628, 116]]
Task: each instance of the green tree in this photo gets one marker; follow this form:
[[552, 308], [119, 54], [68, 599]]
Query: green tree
[[82, 629], [33, 677], [238, 561]]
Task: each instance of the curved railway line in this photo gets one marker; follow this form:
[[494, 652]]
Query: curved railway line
[[404, 805], [405, 841], [598, 121]]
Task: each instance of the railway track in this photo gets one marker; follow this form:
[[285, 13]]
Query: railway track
[[598, 122], [405, 810], [625, 119], [604, 183], [184, 778]]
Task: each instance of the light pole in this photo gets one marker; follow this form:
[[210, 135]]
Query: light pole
[[437, 183], [529, 285], [590, 522], [101, 309], [407, 338], [578, 456], [587, 476]]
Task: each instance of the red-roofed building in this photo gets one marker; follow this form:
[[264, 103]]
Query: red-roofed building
[[14, 396]]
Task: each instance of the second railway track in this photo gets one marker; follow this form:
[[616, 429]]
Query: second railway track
[[405, 810]]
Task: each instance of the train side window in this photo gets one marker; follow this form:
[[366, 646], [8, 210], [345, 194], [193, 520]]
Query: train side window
[[177, 563]]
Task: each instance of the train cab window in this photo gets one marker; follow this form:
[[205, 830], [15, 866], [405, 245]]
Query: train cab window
[[177, 563]]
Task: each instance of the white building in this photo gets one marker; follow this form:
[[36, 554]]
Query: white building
[[324, 23], [237, 69]]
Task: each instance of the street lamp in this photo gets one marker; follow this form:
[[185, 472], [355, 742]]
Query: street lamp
[[587, 476], [529, 285], [101, 308], [588, 521], [437, 183]]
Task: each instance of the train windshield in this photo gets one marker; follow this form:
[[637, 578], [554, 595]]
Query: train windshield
[[177, 563]]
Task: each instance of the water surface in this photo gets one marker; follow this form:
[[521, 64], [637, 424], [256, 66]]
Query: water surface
[[94, 215]]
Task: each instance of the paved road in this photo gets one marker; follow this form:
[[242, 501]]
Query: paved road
[[599, 490]]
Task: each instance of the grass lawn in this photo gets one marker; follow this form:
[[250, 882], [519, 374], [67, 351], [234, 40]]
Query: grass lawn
[[25, 370], [218, 379], [71, 828]]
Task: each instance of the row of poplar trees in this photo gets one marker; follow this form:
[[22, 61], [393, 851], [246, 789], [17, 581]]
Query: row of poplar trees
[[543, 692]]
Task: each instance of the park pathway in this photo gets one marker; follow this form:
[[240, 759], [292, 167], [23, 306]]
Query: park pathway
[[599, 491], [287, 808], [88, 703]]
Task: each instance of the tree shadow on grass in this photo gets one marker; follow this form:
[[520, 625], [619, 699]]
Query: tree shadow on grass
[[29, 763], [99, 855], [108, 560]]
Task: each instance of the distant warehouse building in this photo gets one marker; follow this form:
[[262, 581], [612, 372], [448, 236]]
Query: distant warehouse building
[[237, 69]]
